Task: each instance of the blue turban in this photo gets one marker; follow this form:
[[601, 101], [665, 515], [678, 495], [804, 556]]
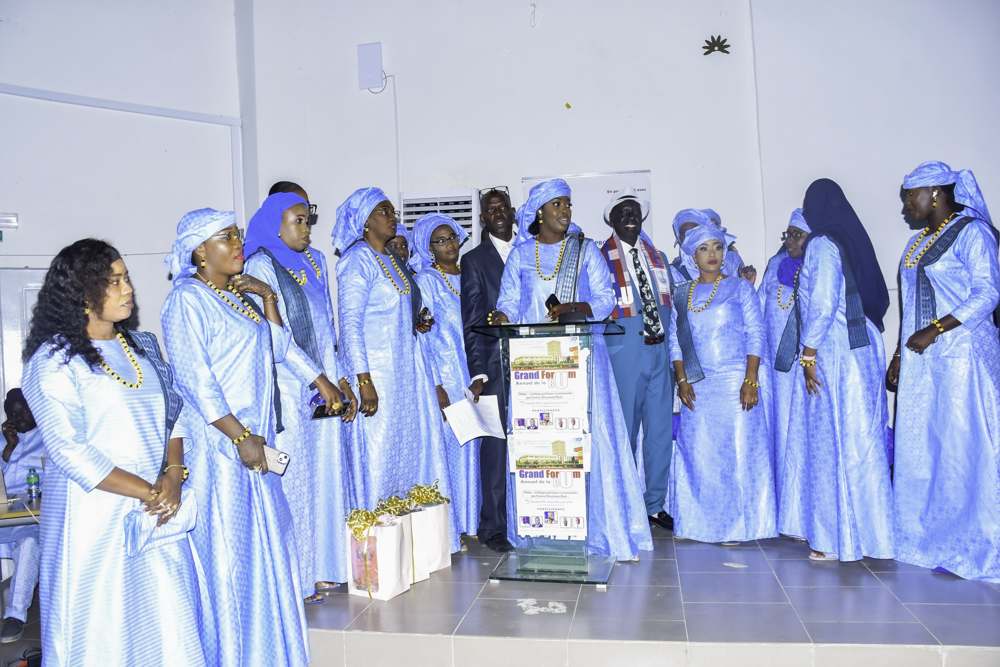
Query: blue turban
[[538, 197], [695, 237], [352, 215], [194, 229], [265, 225], [690, 215], [712, 215], [967, 190], [422, 238], [798, 221]]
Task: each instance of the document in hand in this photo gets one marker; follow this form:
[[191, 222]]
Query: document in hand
[[475, 420]]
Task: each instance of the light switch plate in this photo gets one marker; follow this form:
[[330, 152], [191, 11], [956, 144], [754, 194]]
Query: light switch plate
[[370, 65]]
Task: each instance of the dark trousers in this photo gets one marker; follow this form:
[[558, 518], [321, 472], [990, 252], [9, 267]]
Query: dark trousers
[[493, 472]]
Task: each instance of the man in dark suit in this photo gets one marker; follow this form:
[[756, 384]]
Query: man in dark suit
[[482, 269]]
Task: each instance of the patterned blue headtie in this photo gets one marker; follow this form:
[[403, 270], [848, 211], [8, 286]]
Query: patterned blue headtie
[[798, 221], [194, 229], [422, 238], [537, 197], [695, 237], [967, 190], [352, 214]]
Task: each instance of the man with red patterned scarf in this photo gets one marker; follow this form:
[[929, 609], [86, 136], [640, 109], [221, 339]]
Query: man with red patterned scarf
[[641, 358]]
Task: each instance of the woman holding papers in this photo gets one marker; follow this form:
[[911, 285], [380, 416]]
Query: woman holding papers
[[437, 238]]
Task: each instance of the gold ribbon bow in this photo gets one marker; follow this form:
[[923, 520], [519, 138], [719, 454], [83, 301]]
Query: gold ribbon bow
[[426, 494]]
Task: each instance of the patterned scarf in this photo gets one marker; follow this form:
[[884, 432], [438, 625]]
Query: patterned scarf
[[613, 255]]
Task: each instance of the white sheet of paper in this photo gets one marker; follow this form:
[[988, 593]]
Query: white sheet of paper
[[470, 420]]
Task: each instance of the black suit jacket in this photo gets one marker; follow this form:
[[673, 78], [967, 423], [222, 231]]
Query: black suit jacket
[[482, 271]]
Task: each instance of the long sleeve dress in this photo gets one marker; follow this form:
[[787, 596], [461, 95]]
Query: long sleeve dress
[[318, 486], [444, 347], [722, 475], [835, 483], [402, 444], [618, 523], [98, 606], [947, 457], [252, 610]]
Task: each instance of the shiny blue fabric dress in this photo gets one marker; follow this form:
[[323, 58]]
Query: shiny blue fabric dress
[[98, 606], [619, 525], [245, 539], [318, 483], [722, 474], [947, 458], [402, 444], [835, 483], [444, 347]]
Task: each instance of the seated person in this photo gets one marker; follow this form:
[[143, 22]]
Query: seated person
[[24, 450]]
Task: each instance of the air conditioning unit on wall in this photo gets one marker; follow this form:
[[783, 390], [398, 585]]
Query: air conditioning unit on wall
[[461, 205]]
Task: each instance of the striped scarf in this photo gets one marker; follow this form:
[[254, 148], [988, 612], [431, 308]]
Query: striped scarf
[[613, 255]]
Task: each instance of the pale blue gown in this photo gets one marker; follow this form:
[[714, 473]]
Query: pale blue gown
[[403, 443], [619, 525], [318, 483], [245, 539], [835, 484], [947, 456], [444, 347], [98, 606], [722, 475]]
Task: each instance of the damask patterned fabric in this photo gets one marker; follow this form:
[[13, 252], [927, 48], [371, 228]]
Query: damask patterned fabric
[[947, 456]]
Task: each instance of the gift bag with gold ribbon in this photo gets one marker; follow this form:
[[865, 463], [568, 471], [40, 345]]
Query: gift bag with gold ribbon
[[431, 528], [401, 508], [378, 550]]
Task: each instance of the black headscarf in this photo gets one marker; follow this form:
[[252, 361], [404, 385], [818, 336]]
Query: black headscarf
[[828, 213]]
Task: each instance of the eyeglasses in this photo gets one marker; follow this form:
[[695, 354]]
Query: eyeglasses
[[384, 211], [229, 237], [794, 235], [313, 216], [445, 241], [502, 189]]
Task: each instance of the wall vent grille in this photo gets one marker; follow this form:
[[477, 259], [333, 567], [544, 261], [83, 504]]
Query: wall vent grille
[[462, 205]]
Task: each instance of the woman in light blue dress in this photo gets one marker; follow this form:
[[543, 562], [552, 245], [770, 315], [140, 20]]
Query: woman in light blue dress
[[947, 457], [318, 486], [399, 440], [618, 523], [777, 294], [734, 263], [721, 475], [103, 399], [223, 351], [437, 239], [835, 488]]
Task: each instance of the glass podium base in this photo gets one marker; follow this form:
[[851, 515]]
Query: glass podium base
[[569, 567]]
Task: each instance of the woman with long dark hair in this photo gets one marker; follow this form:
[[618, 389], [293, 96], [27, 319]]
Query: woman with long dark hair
[[103, 399]]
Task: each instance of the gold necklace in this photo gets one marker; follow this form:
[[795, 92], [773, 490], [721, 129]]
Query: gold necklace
[[780, 287], [246, 310], [906, 260], [710, 296], [538, 266], [319, 274], [135, 365], [304, 279], [446, 281], [387, 275]]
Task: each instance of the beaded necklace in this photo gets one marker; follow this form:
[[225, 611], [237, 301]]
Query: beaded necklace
[[304, 279], [387, 275], [538, 266], [246, 310], [920, 238], [135, 365], [710, 296], [319, 274], [446, 281], [794, 294]]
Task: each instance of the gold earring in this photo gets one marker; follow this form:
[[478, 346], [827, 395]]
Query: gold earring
[[86, 311], [366, 228], [934, 203], [203, 263]]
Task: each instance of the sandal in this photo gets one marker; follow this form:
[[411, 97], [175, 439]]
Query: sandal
[[315, 598], [326, 585], [820, 556], [731, 544]]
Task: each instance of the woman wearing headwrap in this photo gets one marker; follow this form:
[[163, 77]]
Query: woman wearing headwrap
[[722, 475], [103, 400], [400, 438], [682, 268], [733, 258], [947, 458], [835, 490], [223, 354], [400, 244], [545, 262], [436, 240], [318, 487], [777, 294]]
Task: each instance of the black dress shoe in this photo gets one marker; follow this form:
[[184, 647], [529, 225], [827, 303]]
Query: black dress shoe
[[499, 544], [662, 520], [12, 630]]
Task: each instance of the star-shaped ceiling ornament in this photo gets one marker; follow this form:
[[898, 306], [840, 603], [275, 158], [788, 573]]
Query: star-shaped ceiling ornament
[[716, 44]]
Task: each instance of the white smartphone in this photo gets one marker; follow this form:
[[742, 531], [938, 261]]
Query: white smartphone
[[277, 461]]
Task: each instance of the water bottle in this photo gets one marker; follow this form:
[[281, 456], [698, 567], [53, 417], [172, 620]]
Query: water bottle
[[33, 487]]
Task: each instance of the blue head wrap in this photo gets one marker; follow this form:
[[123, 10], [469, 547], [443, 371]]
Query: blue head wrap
[[789, 266], [712, 215], [695, 215], [352, 214], [194, 229], [265, 225], [706, 232], [422, 238], [967, 190], [537, 197], [798, 221]]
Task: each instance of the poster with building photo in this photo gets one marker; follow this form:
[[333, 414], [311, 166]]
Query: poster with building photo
[[548, 386]]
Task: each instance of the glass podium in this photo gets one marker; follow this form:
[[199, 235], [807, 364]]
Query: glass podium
[[549, 378]]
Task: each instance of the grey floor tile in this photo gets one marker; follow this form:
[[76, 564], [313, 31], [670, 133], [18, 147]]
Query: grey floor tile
[[695, 544], [431, 597], [869, 633], [722, 560], [743, 622], [731, 587], [505, 618], [515, 590], [391, 650], [963, 625], [507, 652], [654, 603], [846, 604], [636, 630], [476, 549], [784, 548], [337, 612], [659, 533], [662, 550], [811, 573], [421, 623], [937, 588], [878, 565], [468, 569], [645, 573]]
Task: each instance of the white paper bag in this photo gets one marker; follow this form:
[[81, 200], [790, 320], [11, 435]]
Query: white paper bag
[[380, 562], [431, 537], [418, 567]]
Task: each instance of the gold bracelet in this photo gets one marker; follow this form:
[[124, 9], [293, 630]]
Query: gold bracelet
[[750, 382], [361, 384], [153, 497], [807, 364], [936, 323], [679, 380], [243, 437], [183, 468], [273, 298]]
